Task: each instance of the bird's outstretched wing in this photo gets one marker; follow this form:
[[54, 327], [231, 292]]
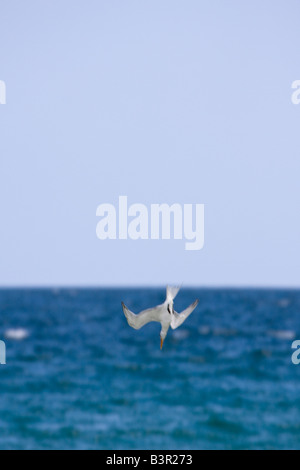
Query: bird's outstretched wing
[[137, 321], [178, 319], [172, 291]]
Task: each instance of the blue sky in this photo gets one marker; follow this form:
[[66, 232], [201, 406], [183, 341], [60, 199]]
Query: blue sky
[[162, 101]]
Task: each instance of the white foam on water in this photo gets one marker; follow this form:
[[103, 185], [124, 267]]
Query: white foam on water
[[17, 334], [204, 330], [284, 303], [181, 334], [282, 334]]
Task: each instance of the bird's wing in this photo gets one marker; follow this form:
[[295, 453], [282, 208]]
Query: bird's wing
[[172, 292], [137, 321], [178, 319]]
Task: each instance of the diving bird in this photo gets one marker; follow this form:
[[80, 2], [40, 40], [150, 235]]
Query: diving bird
[[163, 314]]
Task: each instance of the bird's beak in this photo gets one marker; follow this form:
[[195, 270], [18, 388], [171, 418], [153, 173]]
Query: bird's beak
[[161, 343]]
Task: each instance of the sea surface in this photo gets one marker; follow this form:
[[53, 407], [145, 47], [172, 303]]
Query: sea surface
[[78, 377]]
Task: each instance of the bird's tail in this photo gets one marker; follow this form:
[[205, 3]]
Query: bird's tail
[[172, 292]]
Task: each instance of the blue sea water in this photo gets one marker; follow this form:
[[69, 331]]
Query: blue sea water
[[78, 377]]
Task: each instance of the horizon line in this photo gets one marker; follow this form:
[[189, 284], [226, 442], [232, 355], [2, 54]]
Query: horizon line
[[147, 286]]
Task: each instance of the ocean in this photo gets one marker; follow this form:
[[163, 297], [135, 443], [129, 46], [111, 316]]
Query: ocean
[[78, 377]]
